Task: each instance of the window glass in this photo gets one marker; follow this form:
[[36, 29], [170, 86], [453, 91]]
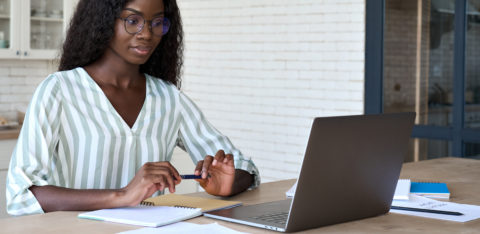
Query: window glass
[[418, 59], [472, 150], [5, 24], [46, 24], [472, 66], [423, 149]]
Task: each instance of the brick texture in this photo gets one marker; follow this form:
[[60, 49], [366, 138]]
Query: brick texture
[[262, 70], [18, 80]]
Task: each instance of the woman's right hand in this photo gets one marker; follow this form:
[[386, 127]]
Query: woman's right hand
[[152, 177]]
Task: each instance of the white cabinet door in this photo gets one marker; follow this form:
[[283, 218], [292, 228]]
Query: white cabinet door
[[36, 28], [9, 28], [43, 28]]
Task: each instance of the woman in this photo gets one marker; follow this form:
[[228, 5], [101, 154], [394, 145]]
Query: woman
[[100, 132]]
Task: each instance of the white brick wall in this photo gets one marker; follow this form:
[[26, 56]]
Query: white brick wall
[[262, 69], [18, 80]]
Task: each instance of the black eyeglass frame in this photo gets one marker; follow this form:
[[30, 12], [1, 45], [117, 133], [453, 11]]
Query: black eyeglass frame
[[165, 25]]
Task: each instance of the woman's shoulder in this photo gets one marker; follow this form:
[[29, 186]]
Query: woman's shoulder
[[161, 85], [54, 80], [66, 75], [62, 76]]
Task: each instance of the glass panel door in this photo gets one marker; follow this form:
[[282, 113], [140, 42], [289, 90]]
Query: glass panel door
[[5, 24], [418, 59], [472, 66], [46, 24], [472, 150], [431, 65], [418, 66]]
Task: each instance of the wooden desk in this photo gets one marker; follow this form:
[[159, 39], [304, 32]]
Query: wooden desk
[[461, 175]]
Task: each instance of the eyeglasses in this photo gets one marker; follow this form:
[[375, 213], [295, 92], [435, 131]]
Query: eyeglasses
[[134, 24]]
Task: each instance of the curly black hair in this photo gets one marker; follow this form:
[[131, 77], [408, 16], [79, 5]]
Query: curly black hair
[[92, 27]]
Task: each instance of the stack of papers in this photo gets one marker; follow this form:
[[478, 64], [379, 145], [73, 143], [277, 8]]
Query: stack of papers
[[426, 189], [470, 212], [291, 191], [402, 190], [405, 198]]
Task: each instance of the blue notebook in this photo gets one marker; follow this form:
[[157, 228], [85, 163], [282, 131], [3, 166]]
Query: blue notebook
[[431, 190]]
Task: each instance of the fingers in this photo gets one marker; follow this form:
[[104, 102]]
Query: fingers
[[152, 177], [161, 168], [219, 157], [163, 174], [161, 181], [219, 170], [198, 168], [202, 182], [173, 171], [206, 165], [228, 159], [203, 166]]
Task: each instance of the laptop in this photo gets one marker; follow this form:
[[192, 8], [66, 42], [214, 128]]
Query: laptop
[[349, 172]]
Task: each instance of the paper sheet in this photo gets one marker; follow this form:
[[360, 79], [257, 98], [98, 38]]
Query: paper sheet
[[470, 212], [149, 216], [184, 227], [291, 191], [402, 190]]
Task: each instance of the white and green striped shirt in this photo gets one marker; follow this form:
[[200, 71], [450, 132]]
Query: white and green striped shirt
[[73, 137]]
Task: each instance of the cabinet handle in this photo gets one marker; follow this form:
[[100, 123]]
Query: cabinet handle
[[18, 52], [25, 53]]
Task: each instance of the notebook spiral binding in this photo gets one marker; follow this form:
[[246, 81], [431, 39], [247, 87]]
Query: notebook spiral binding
[[427, 181], [187, 207], [147, 203]]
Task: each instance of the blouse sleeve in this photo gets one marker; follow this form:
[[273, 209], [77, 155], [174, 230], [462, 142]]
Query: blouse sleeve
[[199, 138], [32, 158]]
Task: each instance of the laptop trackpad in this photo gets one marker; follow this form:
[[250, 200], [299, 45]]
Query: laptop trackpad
[[252, 212]]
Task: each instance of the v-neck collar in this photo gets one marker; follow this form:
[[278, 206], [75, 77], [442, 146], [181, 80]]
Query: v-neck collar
[[110, 106]]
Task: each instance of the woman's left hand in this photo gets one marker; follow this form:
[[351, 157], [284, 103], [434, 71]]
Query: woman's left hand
[[218, 174]]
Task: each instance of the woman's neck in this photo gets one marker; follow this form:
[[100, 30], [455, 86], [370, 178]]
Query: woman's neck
[[112, 70]]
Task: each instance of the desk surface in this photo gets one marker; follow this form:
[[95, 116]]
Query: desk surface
[[461, 175]]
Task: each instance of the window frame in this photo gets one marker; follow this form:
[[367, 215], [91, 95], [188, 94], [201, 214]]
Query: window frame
[[456, 133]]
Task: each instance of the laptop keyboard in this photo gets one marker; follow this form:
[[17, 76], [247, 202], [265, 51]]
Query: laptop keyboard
[[280, 218]]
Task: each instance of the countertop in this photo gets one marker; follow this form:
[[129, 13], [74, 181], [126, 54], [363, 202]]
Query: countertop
[[10, 133]]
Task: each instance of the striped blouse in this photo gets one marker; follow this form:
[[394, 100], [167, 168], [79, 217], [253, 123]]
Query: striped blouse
[[73, 137]]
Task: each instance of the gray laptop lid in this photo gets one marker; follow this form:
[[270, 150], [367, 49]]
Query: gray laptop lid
[[350, 170]]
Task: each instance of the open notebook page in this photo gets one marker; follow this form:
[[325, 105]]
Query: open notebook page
[[149, 216]]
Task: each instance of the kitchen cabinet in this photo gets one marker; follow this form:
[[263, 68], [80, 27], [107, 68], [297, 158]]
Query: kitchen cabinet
[[33, 29]]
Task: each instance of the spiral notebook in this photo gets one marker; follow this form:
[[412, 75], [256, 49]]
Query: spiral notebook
[[177, 200], [148, 216], [430, 189]]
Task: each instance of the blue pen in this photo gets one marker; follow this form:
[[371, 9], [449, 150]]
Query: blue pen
[[190, 176]]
